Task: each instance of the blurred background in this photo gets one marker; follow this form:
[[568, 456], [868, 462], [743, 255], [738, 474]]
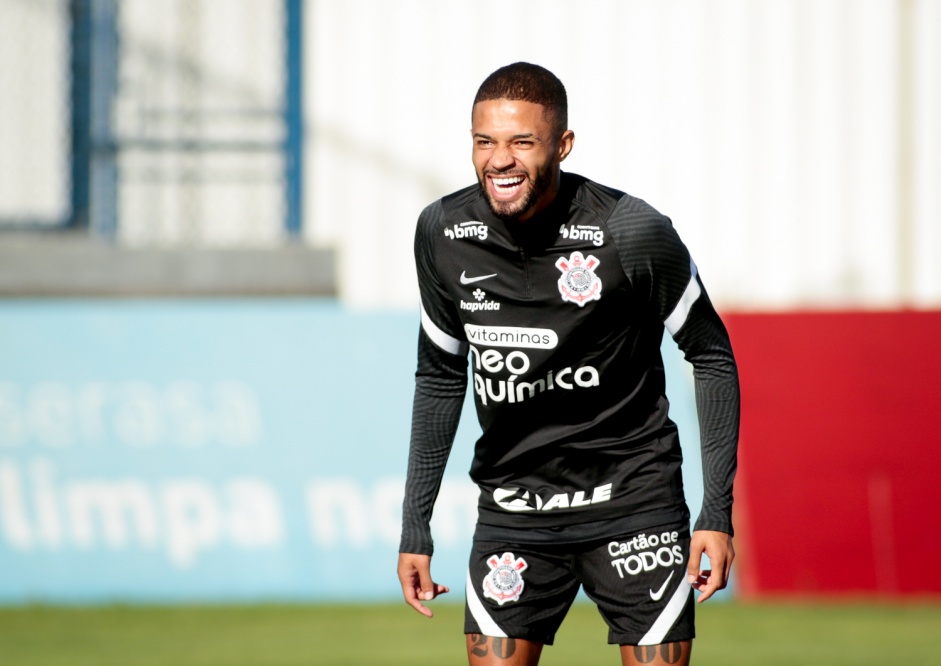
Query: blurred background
[[208, 306]]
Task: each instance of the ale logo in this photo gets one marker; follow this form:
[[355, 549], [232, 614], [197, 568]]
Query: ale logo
[[517, 499]]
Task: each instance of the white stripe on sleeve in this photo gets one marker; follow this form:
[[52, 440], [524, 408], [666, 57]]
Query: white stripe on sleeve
[[678, 317], [443, 340], [488, 627]]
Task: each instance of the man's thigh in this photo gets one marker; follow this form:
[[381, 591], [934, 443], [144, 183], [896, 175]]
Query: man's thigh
[[639, 582]]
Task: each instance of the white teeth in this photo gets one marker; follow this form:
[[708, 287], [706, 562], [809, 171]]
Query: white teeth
[[507, 182]]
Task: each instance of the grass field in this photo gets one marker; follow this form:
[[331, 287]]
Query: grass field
[[731, 634]]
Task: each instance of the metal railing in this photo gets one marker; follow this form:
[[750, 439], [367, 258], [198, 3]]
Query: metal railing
[[182, 122]]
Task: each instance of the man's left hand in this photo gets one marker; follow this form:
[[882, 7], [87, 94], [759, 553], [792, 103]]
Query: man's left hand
[[718, 546]]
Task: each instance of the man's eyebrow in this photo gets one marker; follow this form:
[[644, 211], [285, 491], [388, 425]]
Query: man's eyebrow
[[526, 135]]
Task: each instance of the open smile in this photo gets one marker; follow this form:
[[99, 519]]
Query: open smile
[[506, 188]]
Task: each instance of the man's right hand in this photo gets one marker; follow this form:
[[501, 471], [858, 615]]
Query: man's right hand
[[417, 586]]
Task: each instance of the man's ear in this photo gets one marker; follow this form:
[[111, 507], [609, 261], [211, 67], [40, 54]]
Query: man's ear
[[566, 143]]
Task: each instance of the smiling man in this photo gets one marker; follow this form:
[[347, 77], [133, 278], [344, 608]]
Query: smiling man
[[518, 170], [557, 290]]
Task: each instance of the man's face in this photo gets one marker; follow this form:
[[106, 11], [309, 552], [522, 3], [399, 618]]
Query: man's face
[[517, 156]]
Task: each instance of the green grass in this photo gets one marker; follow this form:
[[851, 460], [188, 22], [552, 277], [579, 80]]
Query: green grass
[[805, 633]]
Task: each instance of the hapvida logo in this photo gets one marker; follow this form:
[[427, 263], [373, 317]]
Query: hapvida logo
[[479, 295]]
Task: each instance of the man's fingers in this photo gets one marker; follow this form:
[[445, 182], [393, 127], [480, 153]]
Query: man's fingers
[[436, 589], [417, 595], [709, 581], [421, 608], [411, 570], [426, 584], [417, 584], [692, 567], [718, 547], [705, 584], [411, 592]]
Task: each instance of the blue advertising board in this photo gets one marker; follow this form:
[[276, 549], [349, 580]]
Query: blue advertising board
[[222, 450]]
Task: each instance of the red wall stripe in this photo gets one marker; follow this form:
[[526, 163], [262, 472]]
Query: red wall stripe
[[838, 487]]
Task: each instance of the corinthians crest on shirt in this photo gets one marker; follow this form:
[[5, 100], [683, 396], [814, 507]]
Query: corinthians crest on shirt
[[578, 283], [505, 581]]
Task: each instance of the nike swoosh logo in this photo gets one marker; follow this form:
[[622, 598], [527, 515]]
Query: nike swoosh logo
[[472, 280], [659, 593]]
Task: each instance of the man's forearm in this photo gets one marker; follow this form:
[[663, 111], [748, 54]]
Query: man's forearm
[[707, 347], [434, 424], [717, 400]]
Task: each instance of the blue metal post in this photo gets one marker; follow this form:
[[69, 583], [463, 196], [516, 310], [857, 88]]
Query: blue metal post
[[104, 81], [80, 37], [294, 117]]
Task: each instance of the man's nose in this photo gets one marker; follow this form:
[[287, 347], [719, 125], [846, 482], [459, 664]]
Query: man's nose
[[502, 158]]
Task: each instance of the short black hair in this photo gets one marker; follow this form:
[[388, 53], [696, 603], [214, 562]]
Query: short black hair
[[525, 82]]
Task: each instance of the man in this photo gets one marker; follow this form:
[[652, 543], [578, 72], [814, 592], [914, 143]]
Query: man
[[559, 289]]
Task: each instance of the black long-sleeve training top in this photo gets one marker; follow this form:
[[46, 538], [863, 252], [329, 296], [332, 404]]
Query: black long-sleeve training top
[[561, 319]]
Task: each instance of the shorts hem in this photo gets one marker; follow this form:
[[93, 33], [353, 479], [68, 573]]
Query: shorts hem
[[622, 639], [521, 633]]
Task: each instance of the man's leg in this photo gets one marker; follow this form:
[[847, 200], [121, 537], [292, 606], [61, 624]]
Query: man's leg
[[672, 654], [490, 651], [639, 582], [516, 597]]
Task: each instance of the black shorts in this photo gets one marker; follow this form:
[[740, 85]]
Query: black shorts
[[638, 581]]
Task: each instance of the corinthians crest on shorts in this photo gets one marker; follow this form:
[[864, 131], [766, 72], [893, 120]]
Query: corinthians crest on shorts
[[505, 580], [578, 283]]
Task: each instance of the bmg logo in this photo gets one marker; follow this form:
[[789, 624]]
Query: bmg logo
[[472, 229], [583, 232]]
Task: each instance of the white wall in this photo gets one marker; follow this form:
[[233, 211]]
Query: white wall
[[795, 143], [34, 113]]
